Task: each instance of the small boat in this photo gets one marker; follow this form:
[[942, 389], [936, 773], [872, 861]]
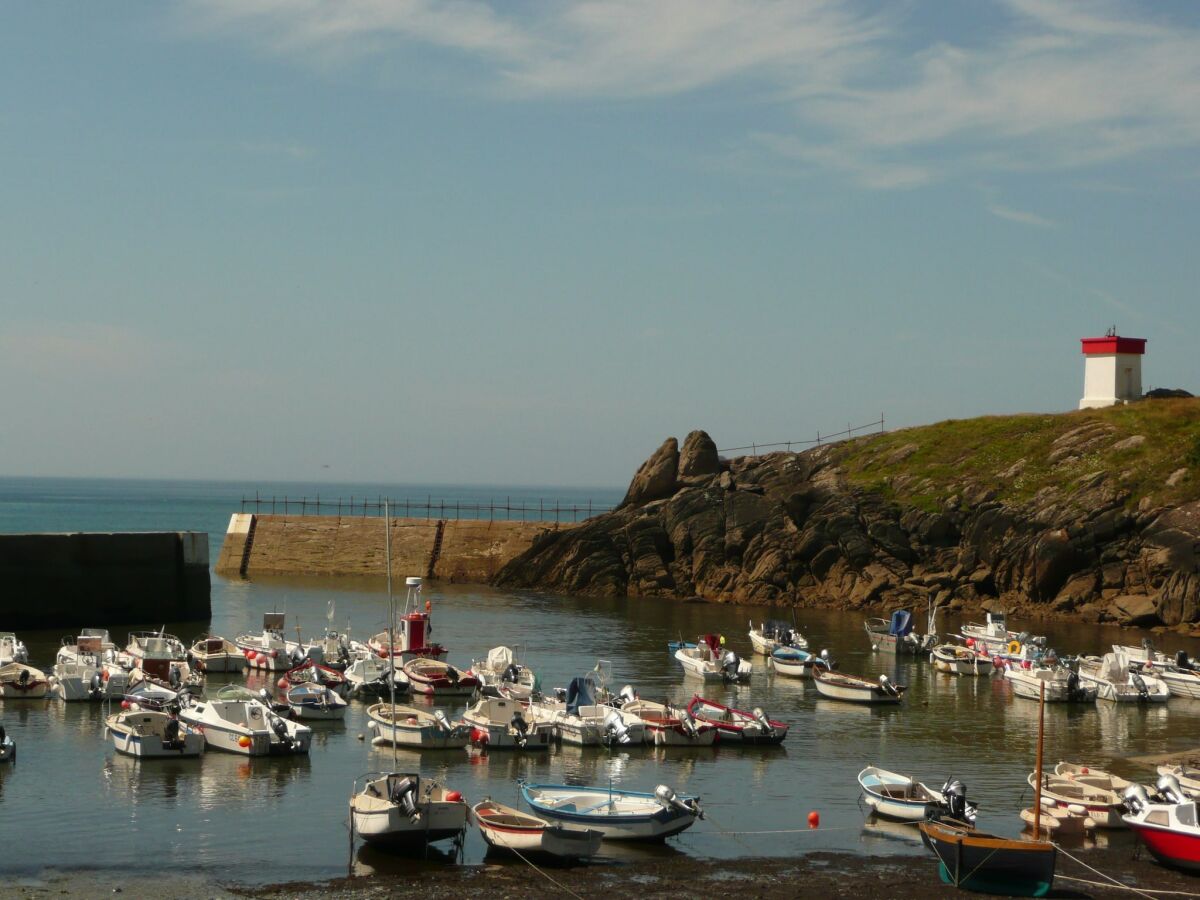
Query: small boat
[[270, 651], [1058, 821], [737, 725], [239, 722], [958, 660], [407, 726], [150, 734], [315, 701], [617, 814], [334, 648], [401, 809], [667, 726], [1188, 778], [793, 662], [504, 828], [309, 672], [502, 724], [8, 747], [896, 635], [1170, 829], [577, 717], [774, 633], [370, 675], [1090, 775], [853, 689], [87, 668], [19, 681], [1063, 684], [994, 638], [408, 638], [901, 798], [1103, 806], [1116, 682], [439, 679], [710, 661], [212, 653], [977, 861], [12, 649], [500, 675]]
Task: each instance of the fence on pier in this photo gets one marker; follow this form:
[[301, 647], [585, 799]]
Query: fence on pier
[[875, 427], [429, 508]]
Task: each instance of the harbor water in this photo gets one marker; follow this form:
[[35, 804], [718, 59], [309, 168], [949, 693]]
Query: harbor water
[[80, 805]]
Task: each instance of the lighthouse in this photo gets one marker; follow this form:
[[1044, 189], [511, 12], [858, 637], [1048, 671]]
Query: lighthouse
[[1112, 369]]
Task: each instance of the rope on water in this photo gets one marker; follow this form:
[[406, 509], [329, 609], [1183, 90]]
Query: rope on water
[[558, 884], [1111, 882]]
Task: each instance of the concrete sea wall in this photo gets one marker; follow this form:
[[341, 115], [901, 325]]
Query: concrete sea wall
[[463, 550], [102, 579]]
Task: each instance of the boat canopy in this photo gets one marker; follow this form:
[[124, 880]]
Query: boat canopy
[[901, 622], [580, 693], [499, 659]]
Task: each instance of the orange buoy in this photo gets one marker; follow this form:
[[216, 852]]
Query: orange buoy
[[454, 796], [814, 819], [244, 741]]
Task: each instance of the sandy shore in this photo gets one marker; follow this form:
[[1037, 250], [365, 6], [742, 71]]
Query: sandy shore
[[826, 875]]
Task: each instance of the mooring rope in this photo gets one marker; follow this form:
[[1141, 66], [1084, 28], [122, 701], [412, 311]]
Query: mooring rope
[[1113, 882], [1125, 887], [556, 883]]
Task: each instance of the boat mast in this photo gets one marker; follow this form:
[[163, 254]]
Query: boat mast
[[387, 549], [1037, 801]]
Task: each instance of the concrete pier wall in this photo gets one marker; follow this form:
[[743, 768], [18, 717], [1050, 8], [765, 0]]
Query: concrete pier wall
[[463, 550], [102, 579]]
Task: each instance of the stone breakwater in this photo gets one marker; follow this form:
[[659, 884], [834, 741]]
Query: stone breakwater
[[795, 528]]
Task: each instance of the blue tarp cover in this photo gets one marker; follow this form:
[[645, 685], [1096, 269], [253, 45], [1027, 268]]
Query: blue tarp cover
[[901, 622], [579, 693]]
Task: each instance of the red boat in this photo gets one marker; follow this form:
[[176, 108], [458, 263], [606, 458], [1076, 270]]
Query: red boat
[[1171, 832], [738, 725], [315, 673]]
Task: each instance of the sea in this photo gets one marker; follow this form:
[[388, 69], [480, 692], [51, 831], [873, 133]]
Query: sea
[[77, 805]]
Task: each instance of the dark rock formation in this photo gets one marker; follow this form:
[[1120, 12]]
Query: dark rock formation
[[789, 527]]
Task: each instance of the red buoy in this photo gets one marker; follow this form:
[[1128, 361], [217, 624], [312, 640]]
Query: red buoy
[[124, 704], [454, 796], [814, 819]]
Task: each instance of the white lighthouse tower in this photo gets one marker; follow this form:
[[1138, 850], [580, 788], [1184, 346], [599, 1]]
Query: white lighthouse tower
[[1112, 369]]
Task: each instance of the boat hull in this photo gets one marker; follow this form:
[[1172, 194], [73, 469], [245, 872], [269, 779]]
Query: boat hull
[[151, 747], [386, 825], [1170, 848], [980, 862], [865, 693], [653, 825]]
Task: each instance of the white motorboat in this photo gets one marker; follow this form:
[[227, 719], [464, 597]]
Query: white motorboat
[[1116, 682], [439, 679], [853, 689], [1178, 672], [901, 798], [408, 636], [1101, 805], [407, 726], [501, 675], [994, 638], [504, 828], [1092, 776], [310, 700], [1063, 685], [1188, 778], [738, 725], [8, 747], [239, 722], [370, 675], [271, 651], [502, 724], [212, 653], [19, 681], [792, 662], [774, 633], [709, 660], [402, 809], [163, 658], [955, 659], [896, 635], [309, 672], [668, 726], [1170, 828], [617, 814], [150, 734], [87, 667], [12, 649], [577, 717]]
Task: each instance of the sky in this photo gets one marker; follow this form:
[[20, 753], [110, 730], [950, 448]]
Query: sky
[[523, 242]]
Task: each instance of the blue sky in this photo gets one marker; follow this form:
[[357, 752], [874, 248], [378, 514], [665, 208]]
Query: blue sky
[[524, 242]]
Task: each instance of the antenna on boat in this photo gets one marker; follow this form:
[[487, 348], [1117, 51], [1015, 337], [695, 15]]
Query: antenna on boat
[[387, 544]]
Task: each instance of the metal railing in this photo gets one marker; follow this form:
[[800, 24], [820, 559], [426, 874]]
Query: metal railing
[[429, 508], [820, 440]]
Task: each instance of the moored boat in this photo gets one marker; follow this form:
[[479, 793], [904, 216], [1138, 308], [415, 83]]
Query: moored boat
[[774, 633], [1188, 778], [955, 659], [709, 660], [12, 649], [903, 799], [617, 814], [87, 668], [1170, 829], [853, 689], [1057, 821], [505, 828], [310, 700], [370, 675], [795, 663], [1063, 684], [579, 718], [502, 724], [1092, 776], [1103, 806], [994, 638], [400, 809], [212, 653], [239, 722], [310, 672], [439, 679], [667, 726], [407, 726], [408, 636], [19, 681], [1116, 682], [737, 725], [151, 734], [501, 675], [896, 635], [977, 861], [271, 651]]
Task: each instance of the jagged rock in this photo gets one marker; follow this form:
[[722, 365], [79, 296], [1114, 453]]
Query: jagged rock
[[1131, 609], [698, 456], [1134, 440], [900, 454], [656, 479]]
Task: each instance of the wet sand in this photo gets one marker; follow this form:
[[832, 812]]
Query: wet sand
[[828, 875]]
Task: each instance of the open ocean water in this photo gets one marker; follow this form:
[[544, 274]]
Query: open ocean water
[[80, 805]]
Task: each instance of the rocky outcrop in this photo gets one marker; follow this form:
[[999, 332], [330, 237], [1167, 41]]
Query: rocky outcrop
[[792, 528]]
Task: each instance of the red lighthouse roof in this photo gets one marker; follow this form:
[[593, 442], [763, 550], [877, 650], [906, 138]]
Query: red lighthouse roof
[[1113, 343]]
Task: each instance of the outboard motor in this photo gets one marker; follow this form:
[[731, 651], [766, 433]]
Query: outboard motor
[[761, 718], [403, 793], [511, 674], [688, 724], [885, 685], [173, 677], [280, 729], [1182, 661], [520, 729], [824, 660], [297, 657], [627, 695], [171, 739], [615, 728], [1136, 680], [452, 674], [670, 800], [1074, 691], [96, 686], [23, 678], [560, 694], [957, 806], [1168, 786], [729, 665], [442, 722], [1136, 799]]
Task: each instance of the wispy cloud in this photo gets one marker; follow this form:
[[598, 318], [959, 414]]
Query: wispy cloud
[[1017, 215], [81, 350], [1059, 85]]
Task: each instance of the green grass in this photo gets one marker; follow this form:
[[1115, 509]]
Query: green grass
[[979, 452]]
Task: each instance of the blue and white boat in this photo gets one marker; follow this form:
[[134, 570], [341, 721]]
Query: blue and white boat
[[903, 799], [618, 815], [796, 663]]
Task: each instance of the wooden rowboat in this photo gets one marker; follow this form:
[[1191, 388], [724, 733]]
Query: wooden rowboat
[[978, 861], [852, 689], [737, 725], [505, 828], [432, 676]]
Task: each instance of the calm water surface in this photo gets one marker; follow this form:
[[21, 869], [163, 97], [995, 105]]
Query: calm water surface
[[82, 805]]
